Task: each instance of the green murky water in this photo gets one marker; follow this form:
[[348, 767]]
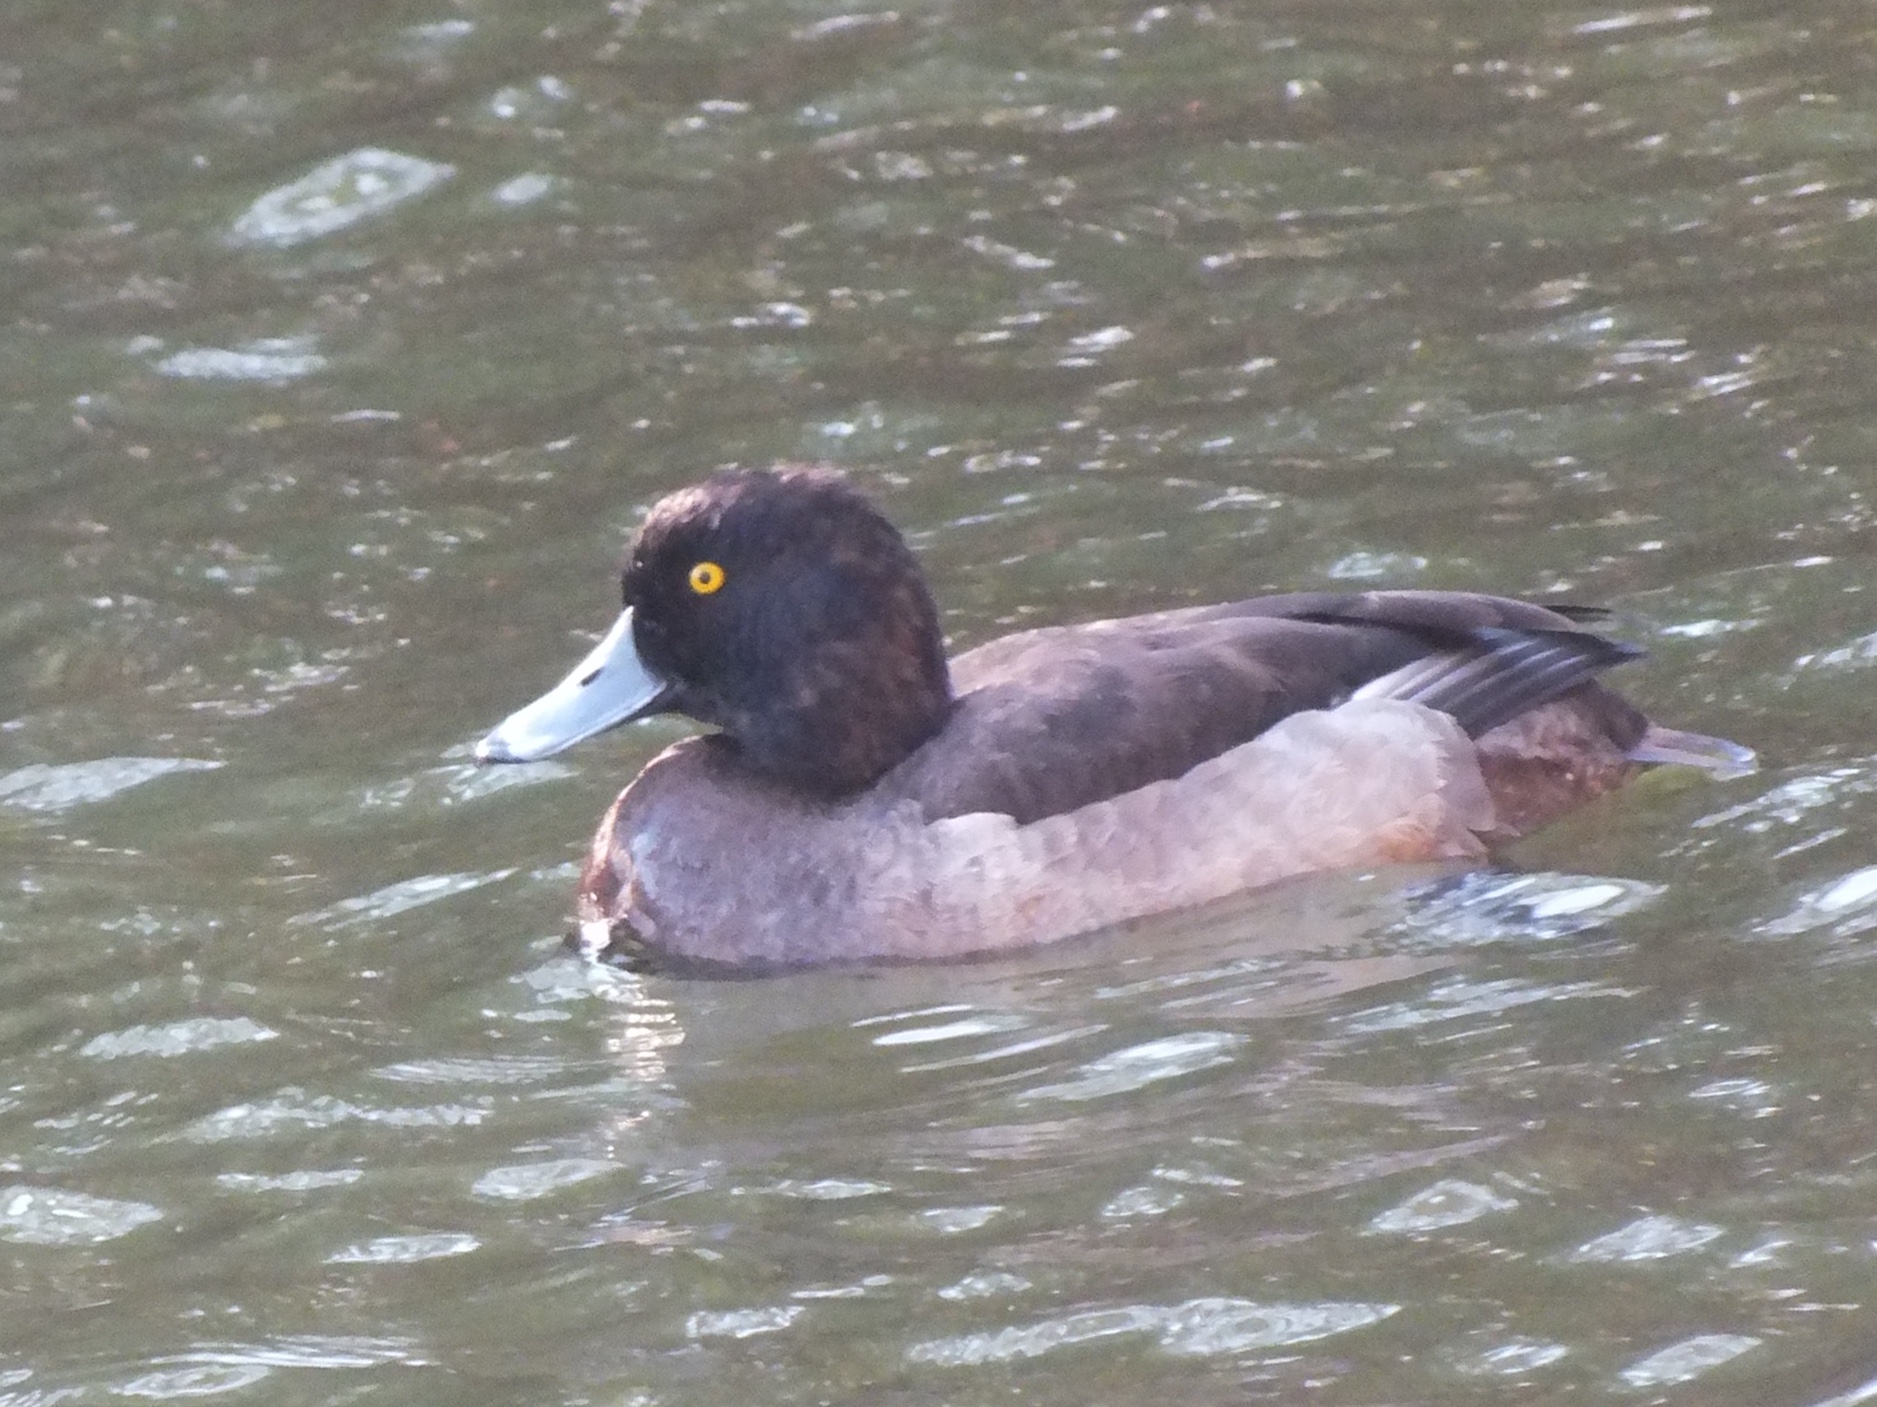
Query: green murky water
[[340, 346]]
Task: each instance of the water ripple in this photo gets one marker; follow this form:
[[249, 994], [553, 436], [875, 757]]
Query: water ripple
[[1682, 1362], [1494, 908], [1138, 1066], [1195, 1328], [263, 359], [337, 195], [310, 1351], [177, 1038], [52, 1216], [1648, 1238], [1464, 997], [397, 898], [1449, 1202], [201, 1380], [741, 1323], [406, 1250], [525, 1182], [45, 786], [516, 1070], [295, 1109], [302, 1180], [1514, 1357]]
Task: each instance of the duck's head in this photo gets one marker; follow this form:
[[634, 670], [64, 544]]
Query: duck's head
[[781, 608]]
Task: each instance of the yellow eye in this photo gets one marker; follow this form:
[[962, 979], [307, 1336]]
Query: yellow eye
[[706, 577]]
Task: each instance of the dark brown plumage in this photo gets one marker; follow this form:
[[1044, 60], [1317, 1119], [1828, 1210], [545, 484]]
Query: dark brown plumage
[[1056, 718]]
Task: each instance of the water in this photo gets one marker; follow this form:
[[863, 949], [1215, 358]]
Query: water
[[338, 359]]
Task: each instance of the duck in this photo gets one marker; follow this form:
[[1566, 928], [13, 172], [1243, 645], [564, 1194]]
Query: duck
[[860, 797]]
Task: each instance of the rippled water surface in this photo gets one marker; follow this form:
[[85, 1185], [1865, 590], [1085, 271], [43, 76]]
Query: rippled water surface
[[341, 345]]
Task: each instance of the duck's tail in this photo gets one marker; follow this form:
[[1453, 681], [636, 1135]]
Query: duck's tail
[[1717, 756]]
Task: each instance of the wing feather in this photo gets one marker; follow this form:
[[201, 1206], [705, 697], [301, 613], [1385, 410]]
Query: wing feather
[[1050, 720]]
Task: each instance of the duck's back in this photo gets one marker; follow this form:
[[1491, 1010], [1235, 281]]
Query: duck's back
[[1054, 719]]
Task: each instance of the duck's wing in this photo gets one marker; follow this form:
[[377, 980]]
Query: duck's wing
[[1050, 720]]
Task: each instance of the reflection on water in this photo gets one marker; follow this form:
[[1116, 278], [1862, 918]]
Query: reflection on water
[[339, 360], [337, 195]]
